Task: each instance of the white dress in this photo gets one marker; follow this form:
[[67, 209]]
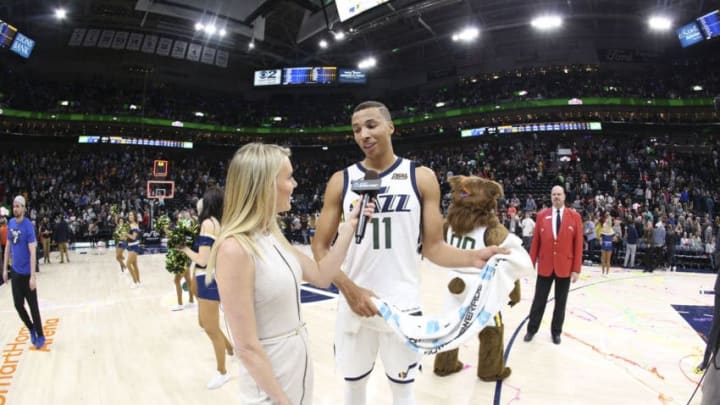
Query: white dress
[[280, 325]]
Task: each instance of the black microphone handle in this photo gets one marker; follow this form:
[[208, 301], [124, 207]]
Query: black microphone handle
[[362, 219]]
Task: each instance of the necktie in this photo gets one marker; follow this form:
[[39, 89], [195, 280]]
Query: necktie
[[557, 224]]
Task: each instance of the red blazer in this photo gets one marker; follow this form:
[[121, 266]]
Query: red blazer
[[561, 256]]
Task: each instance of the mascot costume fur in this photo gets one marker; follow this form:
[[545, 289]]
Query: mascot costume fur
[[472, 223]]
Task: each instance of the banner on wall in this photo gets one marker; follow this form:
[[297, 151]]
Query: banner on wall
[[134, 41], [77, 36], [194, 51]]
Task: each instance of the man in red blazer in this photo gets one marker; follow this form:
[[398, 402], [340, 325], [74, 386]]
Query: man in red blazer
[[556, 250]]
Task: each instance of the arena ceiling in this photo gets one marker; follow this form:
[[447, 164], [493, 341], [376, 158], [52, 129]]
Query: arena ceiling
[[400, 34]]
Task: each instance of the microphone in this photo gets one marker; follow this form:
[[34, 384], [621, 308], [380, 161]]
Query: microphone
[[368, 187]]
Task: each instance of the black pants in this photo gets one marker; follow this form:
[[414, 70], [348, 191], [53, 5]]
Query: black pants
[[21, 292], [542, 290]]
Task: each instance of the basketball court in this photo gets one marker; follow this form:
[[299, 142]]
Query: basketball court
[[630, 338]]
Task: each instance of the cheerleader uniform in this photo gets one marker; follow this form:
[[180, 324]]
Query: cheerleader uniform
[[134, 245], [204, 291], [607, 242]]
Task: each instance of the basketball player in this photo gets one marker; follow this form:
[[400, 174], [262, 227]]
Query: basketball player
[[386, 261]]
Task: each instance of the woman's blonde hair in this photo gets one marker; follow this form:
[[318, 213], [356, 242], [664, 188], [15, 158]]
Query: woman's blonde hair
[[250, 201]]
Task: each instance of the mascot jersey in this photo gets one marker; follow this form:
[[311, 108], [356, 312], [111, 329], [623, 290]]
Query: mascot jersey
[[386, 261]]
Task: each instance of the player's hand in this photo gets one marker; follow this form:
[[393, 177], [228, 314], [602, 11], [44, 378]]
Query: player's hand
[[33, 284], [574, 277], [358, 299], [481, 256]]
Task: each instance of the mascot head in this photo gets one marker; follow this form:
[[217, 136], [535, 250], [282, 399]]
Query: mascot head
[[474, 203]]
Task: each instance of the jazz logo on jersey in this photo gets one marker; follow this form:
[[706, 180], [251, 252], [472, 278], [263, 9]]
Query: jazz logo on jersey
[[399, 176], [388, 203]]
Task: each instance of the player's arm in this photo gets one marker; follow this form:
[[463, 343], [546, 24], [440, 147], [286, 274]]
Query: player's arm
[[434, 246], [325, 230], [6, 260]]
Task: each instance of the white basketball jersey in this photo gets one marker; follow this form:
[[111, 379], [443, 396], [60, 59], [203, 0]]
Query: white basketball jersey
[[386, 261], [474, 240]]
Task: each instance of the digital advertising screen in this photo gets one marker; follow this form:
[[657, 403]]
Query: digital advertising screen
[[348, 9], [710, 24], [22, 45], [351, 76], [310, 75], [270, 77], [689, 34], [7, 33], [123, 140], [533, 127]]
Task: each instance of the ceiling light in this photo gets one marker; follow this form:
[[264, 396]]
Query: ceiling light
[[60, 13], [222, 32], [323, 44], [547, 22], [466, 35], [697, 87], [367, 63], [440, 104], [339, 36], [199, 114], [251, 45], [277, 119], [659, 23], [522, 93], [210, 29], [199, 26]]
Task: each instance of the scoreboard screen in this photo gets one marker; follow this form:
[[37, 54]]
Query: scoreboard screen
[[710, 24], [268, 77], [7, 34], [689, 34], [310, 75]]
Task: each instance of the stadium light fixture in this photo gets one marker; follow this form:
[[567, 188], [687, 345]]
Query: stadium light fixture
[[547, 22], [440, 104], [522, 93], [277, 118], [367, 63], [199, 26], [199, 114], [60, 13], [659, 23], [697, 87], [210, 30], [251, 45], [222, 32], [339, 36], [468, 34], [323, 44]]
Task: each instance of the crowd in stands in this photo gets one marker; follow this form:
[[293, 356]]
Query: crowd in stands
[[643, 177], [20, 89], [635, 179]]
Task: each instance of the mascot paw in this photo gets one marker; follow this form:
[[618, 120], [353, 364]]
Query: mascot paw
[[456, 285], [447, 363], [503, 375]]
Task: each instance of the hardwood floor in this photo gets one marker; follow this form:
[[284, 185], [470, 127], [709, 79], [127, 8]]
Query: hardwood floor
[[623, 343]]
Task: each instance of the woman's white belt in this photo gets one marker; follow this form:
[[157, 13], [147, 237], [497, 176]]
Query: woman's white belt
[[279, 338]]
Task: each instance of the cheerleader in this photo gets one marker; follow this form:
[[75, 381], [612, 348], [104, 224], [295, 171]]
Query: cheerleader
[[133, 248], [120, 237], [210, 209]]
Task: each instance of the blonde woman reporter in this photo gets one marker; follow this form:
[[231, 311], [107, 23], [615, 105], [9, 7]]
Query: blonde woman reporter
[[259, 273]]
